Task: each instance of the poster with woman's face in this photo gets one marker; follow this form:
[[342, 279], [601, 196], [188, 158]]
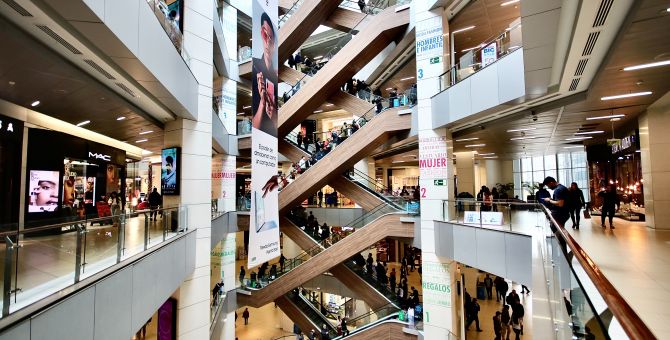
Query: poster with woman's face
[[43, 191], [112, 175]]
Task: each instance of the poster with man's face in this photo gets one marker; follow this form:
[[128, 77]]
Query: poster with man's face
[[43, 191]]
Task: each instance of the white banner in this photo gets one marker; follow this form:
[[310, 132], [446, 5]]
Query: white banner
[[228, 105], [487, 217], [223, 182], [264, 215], [229, 24]]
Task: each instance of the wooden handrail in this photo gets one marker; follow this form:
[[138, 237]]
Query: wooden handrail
[[631, 323]]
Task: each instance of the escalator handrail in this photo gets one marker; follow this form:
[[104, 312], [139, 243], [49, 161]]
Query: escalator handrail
[[323, 318], [631, 323], [282, 20]]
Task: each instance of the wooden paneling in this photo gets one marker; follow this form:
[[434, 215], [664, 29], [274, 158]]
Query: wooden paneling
[[355, 193], [285, 5], [244, 143], [290, 75], [295, 314], [383, 28], [349, 103], [308, 17], [383, 227], [290, 151], [242, 221], [387, 330], [245, 70], [344, 19], [344, 156]]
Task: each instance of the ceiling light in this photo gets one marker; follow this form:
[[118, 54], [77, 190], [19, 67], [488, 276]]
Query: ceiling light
[[121, 118], [589, 133], [35, 103], [656, 64], [389, 88], [397, 161], [572, 147], [627, 95], [141, 140], [474, 145], [509, 2], [606, 117], [492, 157], [486, 154], [466, 139], [318, 111], [408, 78], [240, 113], [146, 152], [579, 138], [471, 48], [616, 119], [463, 29], [84, 123], [330, 104], [668, 10], [246, 107], [519, 130], [522, 138], [318, 57], [146, 132]]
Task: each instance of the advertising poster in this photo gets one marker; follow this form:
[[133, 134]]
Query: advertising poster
[[228, 106], [223, 182], [43, 194], [489, 54], [264, 214], [170, 171]]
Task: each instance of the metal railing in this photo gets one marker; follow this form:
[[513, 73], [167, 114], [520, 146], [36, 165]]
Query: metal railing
[[579, 282], [169, 25], [39, 261], [284, 18], [503, 47]]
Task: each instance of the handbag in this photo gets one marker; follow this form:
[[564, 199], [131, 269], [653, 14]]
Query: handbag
[[587, 214]]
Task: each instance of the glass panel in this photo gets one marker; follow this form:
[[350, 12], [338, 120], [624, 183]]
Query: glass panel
[[564, 176], [538, 176], [538, 163], [579, 159], [551, 173], [526, 164], [563, 160], [516, 165], [517, 180], [527, 177], [550, 162]]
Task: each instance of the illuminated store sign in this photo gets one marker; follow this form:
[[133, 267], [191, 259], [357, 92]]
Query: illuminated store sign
[[628, 142], [106, 158]]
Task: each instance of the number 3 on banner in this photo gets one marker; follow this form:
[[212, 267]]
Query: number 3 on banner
[[420, 73], [423, 192]]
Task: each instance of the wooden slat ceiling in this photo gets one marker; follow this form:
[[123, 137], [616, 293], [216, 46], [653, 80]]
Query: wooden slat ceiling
[[645, 40], [489, 18]]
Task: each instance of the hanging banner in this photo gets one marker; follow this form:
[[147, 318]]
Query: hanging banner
[[264, 215], [489, 54], [228, 105]]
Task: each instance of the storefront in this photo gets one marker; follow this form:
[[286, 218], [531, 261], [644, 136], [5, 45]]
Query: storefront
[[11, 141], [618, 164], [70, 178]]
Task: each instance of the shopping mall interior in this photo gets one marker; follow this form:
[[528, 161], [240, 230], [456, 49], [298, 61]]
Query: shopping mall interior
[[376, 169]]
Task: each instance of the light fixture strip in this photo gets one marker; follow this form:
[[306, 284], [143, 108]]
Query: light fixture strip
[[638, 67], [589, 133], [627, 95], [606, 117]]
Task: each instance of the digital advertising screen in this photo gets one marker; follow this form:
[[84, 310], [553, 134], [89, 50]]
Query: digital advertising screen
[[170, 171], [44, 190]]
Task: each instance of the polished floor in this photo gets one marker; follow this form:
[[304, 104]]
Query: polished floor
[[47, 263], [636, 260], [264, 323]]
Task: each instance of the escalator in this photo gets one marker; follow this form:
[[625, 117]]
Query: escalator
[[376, 129], [328, 253], [304, 313], [376, 34]]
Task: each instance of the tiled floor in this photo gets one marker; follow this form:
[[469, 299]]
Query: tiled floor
[[636, 260], [46, 264], [264, 323]]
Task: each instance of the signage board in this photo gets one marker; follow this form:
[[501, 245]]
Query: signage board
[[489, 54], [487, 217]]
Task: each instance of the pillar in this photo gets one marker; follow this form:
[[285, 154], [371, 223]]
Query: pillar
[[435, 171], [654, 143], [195, 139], [465, 171]]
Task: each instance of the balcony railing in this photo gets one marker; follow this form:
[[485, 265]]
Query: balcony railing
[[168, 21]]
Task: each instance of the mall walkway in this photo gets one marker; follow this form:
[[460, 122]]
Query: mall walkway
[[636, 260]]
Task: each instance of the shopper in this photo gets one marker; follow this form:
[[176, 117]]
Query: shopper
[[245, 316], [320, 196], [325, 335], [361, 5], [610, 206], [501, 288], [497, 325], [392, 279], [505, 319], [541, 194], [115, 207], [474, 315], [242, 274], [345, 330], [495, 197], [154, 201], [517, 314], [282, 261], [576, 204], [560, 202], [488, 283]]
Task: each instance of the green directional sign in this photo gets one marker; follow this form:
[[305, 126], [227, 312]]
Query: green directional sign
[[435, 60], [440, 182]]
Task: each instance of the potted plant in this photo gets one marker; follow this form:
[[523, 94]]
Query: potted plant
[[531, 188], [505, 189]]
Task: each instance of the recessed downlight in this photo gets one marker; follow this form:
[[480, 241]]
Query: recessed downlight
[[121, 118], [141, 140], [146, 132], [83, 123], [35, 103], [627, 95]]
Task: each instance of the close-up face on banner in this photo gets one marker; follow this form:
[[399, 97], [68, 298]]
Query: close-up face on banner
[[264, 231]]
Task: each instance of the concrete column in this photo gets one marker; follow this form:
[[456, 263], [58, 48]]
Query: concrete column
[[465, 170], [195, 139], [436, 171], [654, 143]]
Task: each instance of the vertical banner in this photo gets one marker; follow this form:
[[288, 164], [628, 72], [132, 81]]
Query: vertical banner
[[228, 105], [264, 215]]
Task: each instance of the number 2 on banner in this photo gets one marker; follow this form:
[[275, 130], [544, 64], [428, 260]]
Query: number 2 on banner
[[423, 192]]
